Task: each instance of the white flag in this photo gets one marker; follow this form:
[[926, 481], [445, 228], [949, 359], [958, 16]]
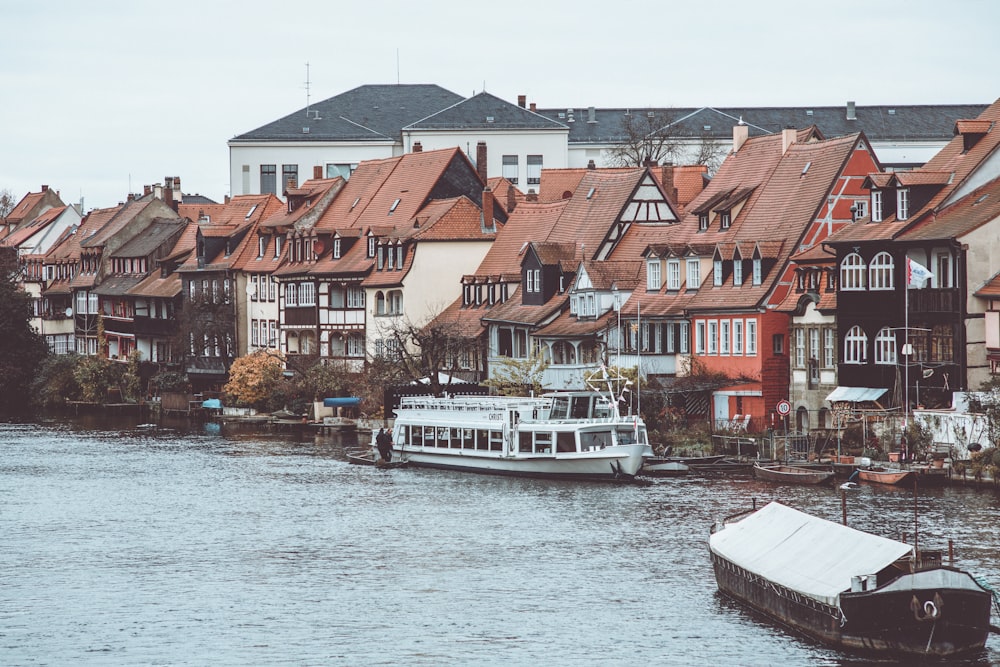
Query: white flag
[[916, 273]]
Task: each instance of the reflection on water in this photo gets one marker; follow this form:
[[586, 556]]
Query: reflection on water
[[127, 545]]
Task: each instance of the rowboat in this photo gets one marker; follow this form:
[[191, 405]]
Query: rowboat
[[791, 474], [368, 458], [664, 468], [848, 588], [884, 475]]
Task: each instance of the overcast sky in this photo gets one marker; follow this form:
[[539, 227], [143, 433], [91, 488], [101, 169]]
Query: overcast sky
[[102, 97]]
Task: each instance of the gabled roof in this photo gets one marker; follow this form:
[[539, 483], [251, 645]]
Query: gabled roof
[[69, 248], [26, 230], [240, 211], [121, 218], [607, 275], [310, 200], [512, 310], [456, 219], [159, 232], [365, 113], [485, 112], [979, 207], [528, 222], [570, 326]]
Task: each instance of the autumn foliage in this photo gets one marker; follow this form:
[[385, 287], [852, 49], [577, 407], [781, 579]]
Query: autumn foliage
[[254, 378]]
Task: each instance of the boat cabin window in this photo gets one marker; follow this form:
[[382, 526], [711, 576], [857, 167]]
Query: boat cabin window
[[560, 408], [591, 440], [580, 407], [496, 441], [482, 439], [627, 436], [456, 437], [543, 443], [468, 438], [565, 441], [403, 434]]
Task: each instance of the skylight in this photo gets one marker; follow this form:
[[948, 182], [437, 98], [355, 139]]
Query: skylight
[[250, 212], [394, 205], [806, 168], [591, 193]]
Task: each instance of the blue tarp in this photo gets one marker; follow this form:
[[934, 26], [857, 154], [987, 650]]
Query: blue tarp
[[212, 403], [342, 402]]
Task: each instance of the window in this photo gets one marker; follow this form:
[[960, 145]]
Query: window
[[268, 179], [880, 272], [534, 169], [778, 343], [538, 280], [703, 221], [737, 272], [717, 272], [371, 247], [942, 276], [396, 302], [699, 338], [390, 259], [724, 327], [852, 272], [693, 274], [399, 257], [307, 294], [336, 248], [713, 337], [355, 297], [829, 336], [355, 345], [861, 209], [685, 338], [876, 206], [737, 337], [379, 303], [885, 347], [289, 175], [509, 170], [653, 274], [344, 170], [277, 246], [254, 337], [758, 271], [673, 274], [813, 346], [725, 219], [855, 346], [902, 203], [291, 296], [261, 245], [529, 281], [751, 338], [272, 292], [799, 341]]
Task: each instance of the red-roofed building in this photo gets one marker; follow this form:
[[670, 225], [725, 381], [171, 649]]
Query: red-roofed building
[[30, 207], [913, 315]]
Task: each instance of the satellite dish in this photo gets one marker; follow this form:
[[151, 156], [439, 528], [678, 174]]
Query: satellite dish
[[928, 372], [251, 289], [69, 312]]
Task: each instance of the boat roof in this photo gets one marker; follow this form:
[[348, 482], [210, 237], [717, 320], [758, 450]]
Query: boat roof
[[805, 553]]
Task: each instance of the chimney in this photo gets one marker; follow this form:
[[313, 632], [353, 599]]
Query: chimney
[[741, 132], [488, 202], [511, 200], [318, 172], [146, 190], [481, 160], [522, 100], [291, 185], [131, 197], [531, 106], [851, 115], [591, 165], [45, 188], [531, 196], [667, 178], [168, 195], [418, 147], [787, 139]]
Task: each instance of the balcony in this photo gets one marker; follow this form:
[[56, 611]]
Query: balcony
[[301, 317], [946, 300]]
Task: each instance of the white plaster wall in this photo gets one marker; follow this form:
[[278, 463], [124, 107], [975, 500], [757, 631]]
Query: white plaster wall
[[306, 155], [550, 144]]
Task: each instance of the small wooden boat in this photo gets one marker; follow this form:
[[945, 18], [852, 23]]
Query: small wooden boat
[[884, 475], [664, 468], [368, 458], [791, 474]]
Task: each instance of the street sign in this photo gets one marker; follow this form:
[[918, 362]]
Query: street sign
[[783, 407]]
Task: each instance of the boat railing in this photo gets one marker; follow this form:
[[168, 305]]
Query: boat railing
[[477, 404]]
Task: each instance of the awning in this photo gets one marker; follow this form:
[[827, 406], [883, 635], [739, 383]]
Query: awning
[[856, 394], [807, 554]]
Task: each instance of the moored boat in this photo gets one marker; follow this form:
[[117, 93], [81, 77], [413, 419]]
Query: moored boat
[[884, 475], [565, 435], [664, 468], [786, 474], [848, 588]]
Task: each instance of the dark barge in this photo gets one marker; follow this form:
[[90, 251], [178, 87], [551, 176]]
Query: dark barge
[[848, 588]]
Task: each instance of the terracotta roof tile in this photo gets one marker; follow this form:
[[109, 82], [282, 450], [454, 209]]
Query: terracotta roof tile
[[528, 222], [514, 311], [569, 326]]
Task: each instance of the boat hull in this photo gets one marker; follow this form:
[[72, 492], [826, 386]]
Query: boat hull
[[881, 621], [610, 463], [895, 477], [792, 475]]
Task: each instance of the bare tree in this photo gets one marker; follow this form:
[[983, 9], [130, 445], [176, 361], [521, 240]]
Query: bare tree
[[654, 137], [7, 203]]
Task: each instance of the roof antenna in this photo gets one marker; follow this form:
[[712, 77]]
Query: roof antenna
[[307, 90], [397, 65]]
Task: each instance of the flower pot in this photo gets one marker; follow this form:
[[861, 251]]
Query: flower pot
[[894, 457]]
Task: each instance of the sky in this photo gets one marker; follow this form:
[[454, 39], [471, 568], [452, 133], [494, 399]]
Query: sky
[[102, 97]]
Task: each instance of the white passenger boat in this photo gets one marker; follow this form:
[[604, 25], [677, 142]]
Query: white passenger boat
[[565, 435]]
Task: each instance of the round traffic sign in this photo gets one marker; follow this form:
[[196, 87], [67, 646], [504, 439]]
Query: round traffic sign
[[783, 407]]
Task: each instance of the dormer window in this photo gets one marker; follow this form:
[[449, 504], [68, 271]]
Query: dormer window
[[717, 273], [390, 259], [653, 274], [399, 257], [725, 219], [336, 248], [381, 257], [703, 221], [737, 272], [277, 246], [261, 246], [371, 247], [876, 206], [673, 274], [693, 273], [758, 273], [902, 203]]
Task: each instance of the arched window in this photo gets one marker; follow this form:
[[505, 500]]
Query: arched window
[[825, 418], [880, 272], [802, 420], [379, 303], [885, 347], [855, 346], [852, 272]]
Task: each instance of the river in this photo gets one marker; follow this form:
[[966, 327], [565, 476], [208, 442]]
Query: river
[[124, 545]]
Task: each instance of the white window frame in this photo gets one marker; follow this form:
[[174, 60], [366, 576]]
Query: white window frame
[[717, 273], [799, 335], [880, 272], [852, 273], [876, 197], [902, 203], [693, 273], [713, 337], [758, 271], [737, 337], [725, 328], [829, 347], [653, 274], [307, 294], [751, 346], [855, 346], [291, 295], [673, 274], [737, 272], [684, 345], [699, 337], [885, 347]]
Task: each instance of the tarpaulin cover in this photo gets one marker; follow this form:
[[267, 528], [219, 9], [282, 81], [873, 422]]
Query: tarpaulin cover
[[856, 394], [341, 402], [807, 554]]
